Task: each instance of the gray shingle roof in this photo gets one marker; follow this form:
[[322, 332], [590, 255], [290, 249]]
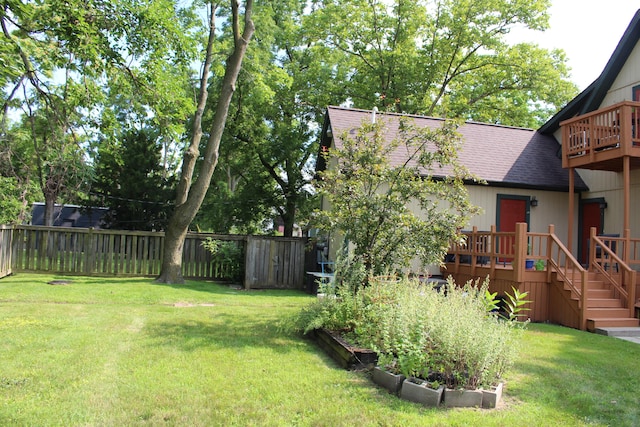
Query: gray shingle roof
[[501, 155]]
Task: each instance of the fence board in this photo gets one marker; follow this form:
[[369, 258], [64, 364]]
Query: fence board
[[6, 236]]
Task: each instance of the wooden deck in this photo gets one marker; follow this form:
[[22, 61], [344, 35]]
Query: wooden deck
[[601, 139], [563, 291]]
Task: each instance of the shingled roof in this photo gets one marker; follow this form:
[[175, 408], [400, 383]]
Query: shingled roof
[[501, 155]]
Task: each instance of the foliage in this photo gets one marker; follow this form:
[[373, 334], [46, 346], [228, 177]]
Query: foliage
[[369, 197], [515, 304], [447, 58], [228, 255], [70, 64], [452, 335], [10, 206], [130, 180], [270, 142]]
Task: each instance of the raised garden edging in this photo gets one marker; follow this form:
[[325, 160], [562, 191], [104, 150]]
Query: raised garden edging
[[345, 355], [353, 358]]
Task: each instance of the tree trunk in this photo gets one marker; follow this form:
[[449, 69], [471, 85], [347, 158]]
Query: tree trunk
[[189, 196], [49, 211], [289, 217]]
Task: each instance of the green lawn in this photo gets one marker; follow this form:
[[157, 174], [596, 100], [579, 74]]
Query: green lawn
[[118, 352]]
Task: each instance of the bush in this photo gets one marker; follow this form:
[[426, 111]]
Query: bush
[[228, 258], [453, 335]]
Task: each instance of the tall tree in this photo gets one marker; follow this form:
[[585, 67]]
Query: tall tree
[[130, 180], [190, 193], [286, 84], [446, 58]]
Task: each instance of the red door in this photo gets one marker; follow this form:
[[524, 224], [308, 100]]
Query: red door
[[511, 210], [591, 217]]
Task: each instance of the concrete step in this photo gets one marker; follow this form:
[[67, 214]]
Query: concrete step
[[631, 334], [619, 331]]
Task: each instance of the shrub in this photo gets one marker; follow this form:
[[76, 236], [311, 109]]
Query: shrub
[[228, 257]]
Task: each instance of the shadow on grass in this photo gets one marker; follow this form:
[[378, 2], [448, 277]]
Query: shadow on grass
[[210, 287], [587, 376], [226, 330]]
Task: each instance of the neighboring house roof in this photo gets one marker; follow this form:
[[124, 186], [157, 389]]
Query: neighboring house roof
[[70, 216], [501, 155], [591, 98]]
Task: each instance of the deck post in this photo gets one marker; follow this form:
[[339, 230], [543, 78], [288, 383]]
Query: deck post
[[520, 251], [571, 202], [627, 184]]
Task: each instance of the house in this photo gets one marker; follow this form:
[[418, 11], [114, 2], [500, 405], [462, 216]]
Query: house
[[563, 194], [70, 216]]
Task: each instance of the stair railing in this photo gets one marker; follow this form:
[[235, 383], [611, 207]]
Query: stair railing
[[570, 271], [624, 281]]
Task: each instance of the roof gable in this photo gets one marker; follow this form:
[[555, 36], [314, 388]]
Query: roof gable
[[501, 155], [591, 98]]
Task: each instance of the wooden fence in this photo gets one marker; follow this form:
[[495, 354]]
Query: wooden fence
[[269, 262]]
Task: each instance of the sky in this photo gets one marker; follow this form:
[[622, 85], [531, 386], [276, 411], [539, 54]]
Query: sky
[[587, 30]]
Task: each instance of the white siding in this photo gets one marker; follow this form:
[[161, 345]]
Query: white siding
[[628, 78]]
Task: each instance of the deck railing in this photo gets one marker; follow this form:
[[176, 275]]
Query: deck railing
[[613, 128], [570, 272], [613, 257], [500, 249]]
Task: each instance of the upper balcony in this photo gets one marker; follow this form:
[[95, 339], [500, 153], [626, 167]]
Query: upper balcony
[[601, 139]]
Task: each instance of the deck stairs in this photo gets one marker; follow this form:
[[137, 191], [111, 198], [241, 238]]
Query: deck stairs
[[604, 309]]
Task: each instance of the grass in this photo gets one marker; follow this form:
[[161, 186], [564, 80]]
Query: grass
[[121, 352]]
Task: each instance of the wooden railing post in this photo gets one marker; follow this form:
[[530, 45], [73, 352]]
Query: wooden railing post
[[583, 300], [494, 250], [625, 129], [552, 231], [592, 248], [473, 248], [520, 256], [626, 246]]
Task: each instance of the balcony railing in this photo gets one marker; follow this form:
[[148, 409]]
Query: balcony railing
[[598, 140]]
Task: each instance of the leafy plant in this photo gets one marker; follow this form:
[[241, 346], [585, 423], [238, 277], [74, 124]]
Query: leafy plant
[[228, 257], [539, 265], [515, 304]]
